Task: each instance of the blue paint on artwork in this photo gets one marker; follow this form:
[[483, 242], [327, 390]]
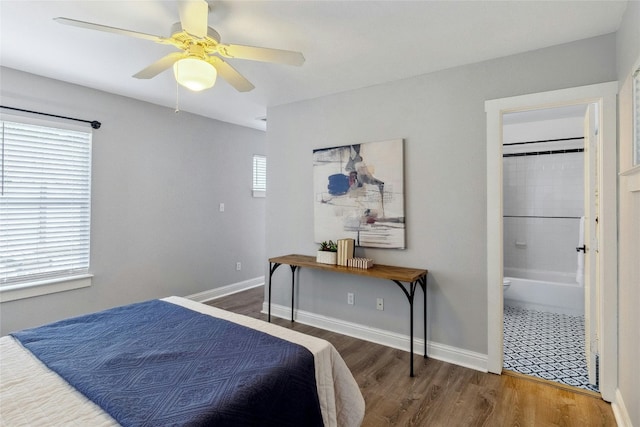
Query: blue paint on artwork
[[338, 184]]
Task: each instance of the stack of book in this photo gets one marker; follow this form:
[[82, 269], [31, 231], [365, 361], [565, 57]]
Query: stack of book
[[360, 263], [346, 248]]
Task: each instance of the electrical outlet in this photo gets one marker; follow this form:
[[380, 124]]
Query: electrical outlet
[[221, 207], [238, 266], [350, 298], [379, 304]]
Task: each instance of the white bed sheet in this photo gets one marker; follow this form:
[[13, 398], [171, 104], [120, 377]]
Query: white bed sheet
[[31, 394]]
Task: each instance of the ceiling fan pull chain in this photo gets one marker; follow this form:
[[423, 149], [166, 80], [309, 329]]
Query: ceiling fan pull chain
[[177, 92]]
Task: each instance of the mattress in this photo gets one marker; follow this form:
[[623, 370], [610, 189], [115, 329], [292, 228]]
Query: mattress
[[32, 394]]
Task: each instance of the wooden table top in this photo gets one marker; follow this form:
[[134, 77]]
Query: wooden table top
[[402, 274]]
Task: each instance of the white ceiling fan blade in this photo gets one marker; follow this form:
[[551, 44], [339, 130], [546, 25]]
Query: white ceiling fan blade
[[105, 28], [261, 54], [230, 74], [159, 66], [194, 17]]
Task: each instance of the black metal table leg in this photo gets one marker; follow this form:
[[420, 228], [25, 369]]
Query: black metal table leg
[[411, 333], [423, 285], [410, 294], [293, 282], [272, 268]]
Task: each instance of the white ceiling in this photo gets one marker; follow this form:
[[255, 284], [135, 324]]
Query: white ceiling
[[347, 44]]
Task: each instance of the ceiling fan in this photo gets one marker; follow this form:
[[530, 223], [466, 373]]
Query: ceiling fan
[[201, 57]]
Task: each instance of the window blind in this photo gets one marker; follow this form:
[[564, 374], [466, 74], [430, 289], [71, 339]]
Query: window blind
[[259, 173], [45, 202]]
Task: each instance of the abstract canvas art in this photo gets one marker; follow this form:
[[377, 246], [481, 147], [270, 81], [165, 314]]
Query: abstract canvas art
[[359, 194]]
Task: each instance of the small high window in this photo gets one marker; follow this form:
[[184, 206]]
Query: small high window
[[259, 175]]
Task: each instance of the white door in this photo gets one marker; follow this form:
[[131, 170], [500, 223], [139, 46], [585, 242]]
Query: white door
[[588, 248]]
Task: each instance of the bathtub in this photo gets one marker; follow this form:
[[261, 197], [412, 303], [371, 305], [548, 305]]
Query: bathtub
[[544, 291]]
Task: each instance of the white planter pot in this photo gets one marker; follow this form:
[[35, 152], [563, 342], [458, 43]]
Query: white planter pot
[[325, 257]]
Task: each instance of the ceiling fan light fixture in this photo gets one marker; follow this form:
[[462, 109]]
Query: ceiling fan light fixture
[[195, 74]]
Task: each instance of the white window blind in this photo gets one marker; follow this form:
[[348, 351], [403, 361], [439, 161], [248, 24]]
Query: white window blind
[[45, 201], [259, 175]]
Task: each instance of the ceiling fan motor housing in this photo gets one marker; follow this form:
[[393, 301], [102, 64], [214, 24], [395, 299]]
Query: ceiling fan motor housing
[[209, 42]]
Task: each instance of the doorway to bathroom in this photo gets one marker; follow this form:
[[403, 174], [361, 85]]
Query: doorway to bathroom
[[545, 175], [604, 305]]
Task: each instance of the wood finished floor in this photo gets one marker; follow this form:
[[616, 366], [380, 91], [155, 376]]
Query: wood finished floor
[[441, 394]]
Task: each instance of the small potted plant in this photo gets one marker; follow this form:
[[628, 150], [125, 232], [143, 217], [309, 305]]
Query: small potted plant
[[328, 252]]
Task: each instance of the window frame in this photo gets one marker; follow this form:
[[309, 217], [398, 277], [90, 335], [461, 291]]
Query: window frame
[[259, 180], [36, 286]]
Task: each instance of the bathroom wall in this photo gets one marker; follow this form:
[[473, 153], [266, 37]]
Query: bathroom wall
[[543, 198]]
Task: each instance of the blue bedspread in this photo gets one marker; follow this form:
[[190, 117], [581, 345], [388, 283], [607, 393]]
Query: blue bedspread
[[159, 364]]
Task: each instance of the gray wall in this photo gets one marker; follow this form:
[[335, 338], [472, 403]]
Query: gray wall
[[157, 181], [628, 45], [441, 117]]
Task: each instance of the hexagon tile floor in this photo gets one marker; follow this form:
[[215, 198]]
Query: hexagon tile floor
[[546, 345]]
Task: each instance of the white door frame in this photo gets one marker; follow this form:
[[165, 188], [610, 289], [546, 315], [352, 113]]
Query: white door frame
[[605, 95], [590, 282]]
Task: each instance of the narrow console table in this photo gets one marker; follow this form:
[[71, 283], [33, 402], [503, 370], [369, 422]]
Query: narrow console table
[[399, 275]]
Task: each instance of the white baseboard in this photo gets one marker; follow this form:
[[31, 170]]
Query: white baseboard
[[620, 411], [457, 356], [226, 290]]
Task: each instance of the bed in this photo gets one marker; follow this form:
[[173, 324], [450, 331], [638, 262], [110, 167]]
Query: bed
[[173, 362]]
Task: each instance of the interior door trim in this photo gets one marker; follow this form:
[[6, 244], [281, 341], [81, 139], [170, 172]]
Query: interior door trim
[[605, 95]]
